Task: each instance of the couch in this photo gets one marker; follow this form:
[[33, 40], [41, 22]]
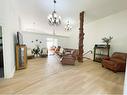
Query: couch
[[117, 62], [69, 58]]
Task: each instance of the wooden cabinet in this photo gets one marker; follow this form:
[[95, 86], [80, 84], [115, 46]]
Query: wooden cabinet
[[21, 57], [100, 51]]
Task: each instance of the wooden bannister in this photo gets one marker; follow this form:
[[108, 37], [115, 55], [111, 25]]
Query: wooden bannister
[[90, 51]]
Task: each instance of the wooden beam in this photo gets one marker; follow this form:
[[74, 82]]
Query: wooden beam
[[81, 37]]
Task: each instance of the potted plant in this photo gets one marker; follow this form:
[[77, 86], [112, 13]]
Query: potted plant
[[107, 40], [36, 51]]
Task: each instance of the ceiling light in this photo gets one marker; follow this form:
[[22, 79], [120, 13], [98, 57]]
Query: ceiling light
[[53, 18], [67, 26]]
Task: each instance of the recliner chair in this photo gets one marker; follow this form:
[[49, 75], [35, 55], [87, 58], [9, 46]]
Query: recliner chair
[[69, 59], [117, 62]]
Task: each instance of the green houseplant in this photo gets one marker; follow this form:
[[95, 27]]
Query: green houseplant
[[36, 51], [107, 40]]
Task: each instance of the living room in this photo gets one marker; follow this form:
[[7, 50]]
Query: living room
[[109, 19]]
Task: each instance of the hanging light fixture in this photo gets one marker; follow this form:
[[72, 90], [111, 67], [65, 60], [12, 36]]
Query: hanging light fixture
[[53, 18], [67, 26]]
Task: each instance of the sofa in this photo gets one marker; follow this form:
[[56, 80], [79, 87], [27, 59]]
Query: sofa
[[116, 63], [69, 58]]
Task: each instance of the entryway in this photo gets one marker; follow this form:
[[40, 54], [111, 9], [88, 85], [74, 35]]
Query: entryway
[[51, 44]]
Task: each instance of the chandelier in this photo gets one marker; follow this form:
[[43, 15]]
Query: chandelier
[[67, 26], [53, 18]]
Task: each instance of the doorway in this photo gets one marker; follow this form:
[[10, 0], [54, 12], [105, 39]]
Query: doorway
[[1, 55], [51, 45]]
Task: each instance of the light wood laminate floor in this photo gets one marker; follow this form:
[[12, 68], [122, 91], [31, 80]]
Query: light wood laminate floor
[[46, 76]]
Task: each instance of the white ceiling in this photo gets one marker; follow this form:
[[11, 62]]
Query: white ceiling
[[69, 9], [95, 9]]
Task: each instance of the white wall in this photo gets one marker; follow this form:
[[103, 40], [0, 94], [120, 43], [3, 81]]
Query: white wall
[[114, 25], [8, 21], [29, 36]]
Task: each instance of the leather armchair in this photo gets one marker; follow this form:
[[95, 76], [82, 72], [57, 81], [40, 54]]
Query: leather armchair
[[70, 58], [117, 62]]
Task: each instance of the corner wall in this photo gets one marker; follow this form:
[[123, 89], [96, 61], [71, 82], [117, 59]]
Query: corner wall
[[8, 21], [114, 25]]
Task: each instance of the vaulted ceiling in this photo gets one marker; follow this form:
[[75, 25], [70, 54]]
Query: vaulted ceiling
[[30, 10]]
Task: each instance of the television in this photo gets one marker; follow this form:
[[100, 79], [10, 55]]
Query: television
[[19, 38]]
